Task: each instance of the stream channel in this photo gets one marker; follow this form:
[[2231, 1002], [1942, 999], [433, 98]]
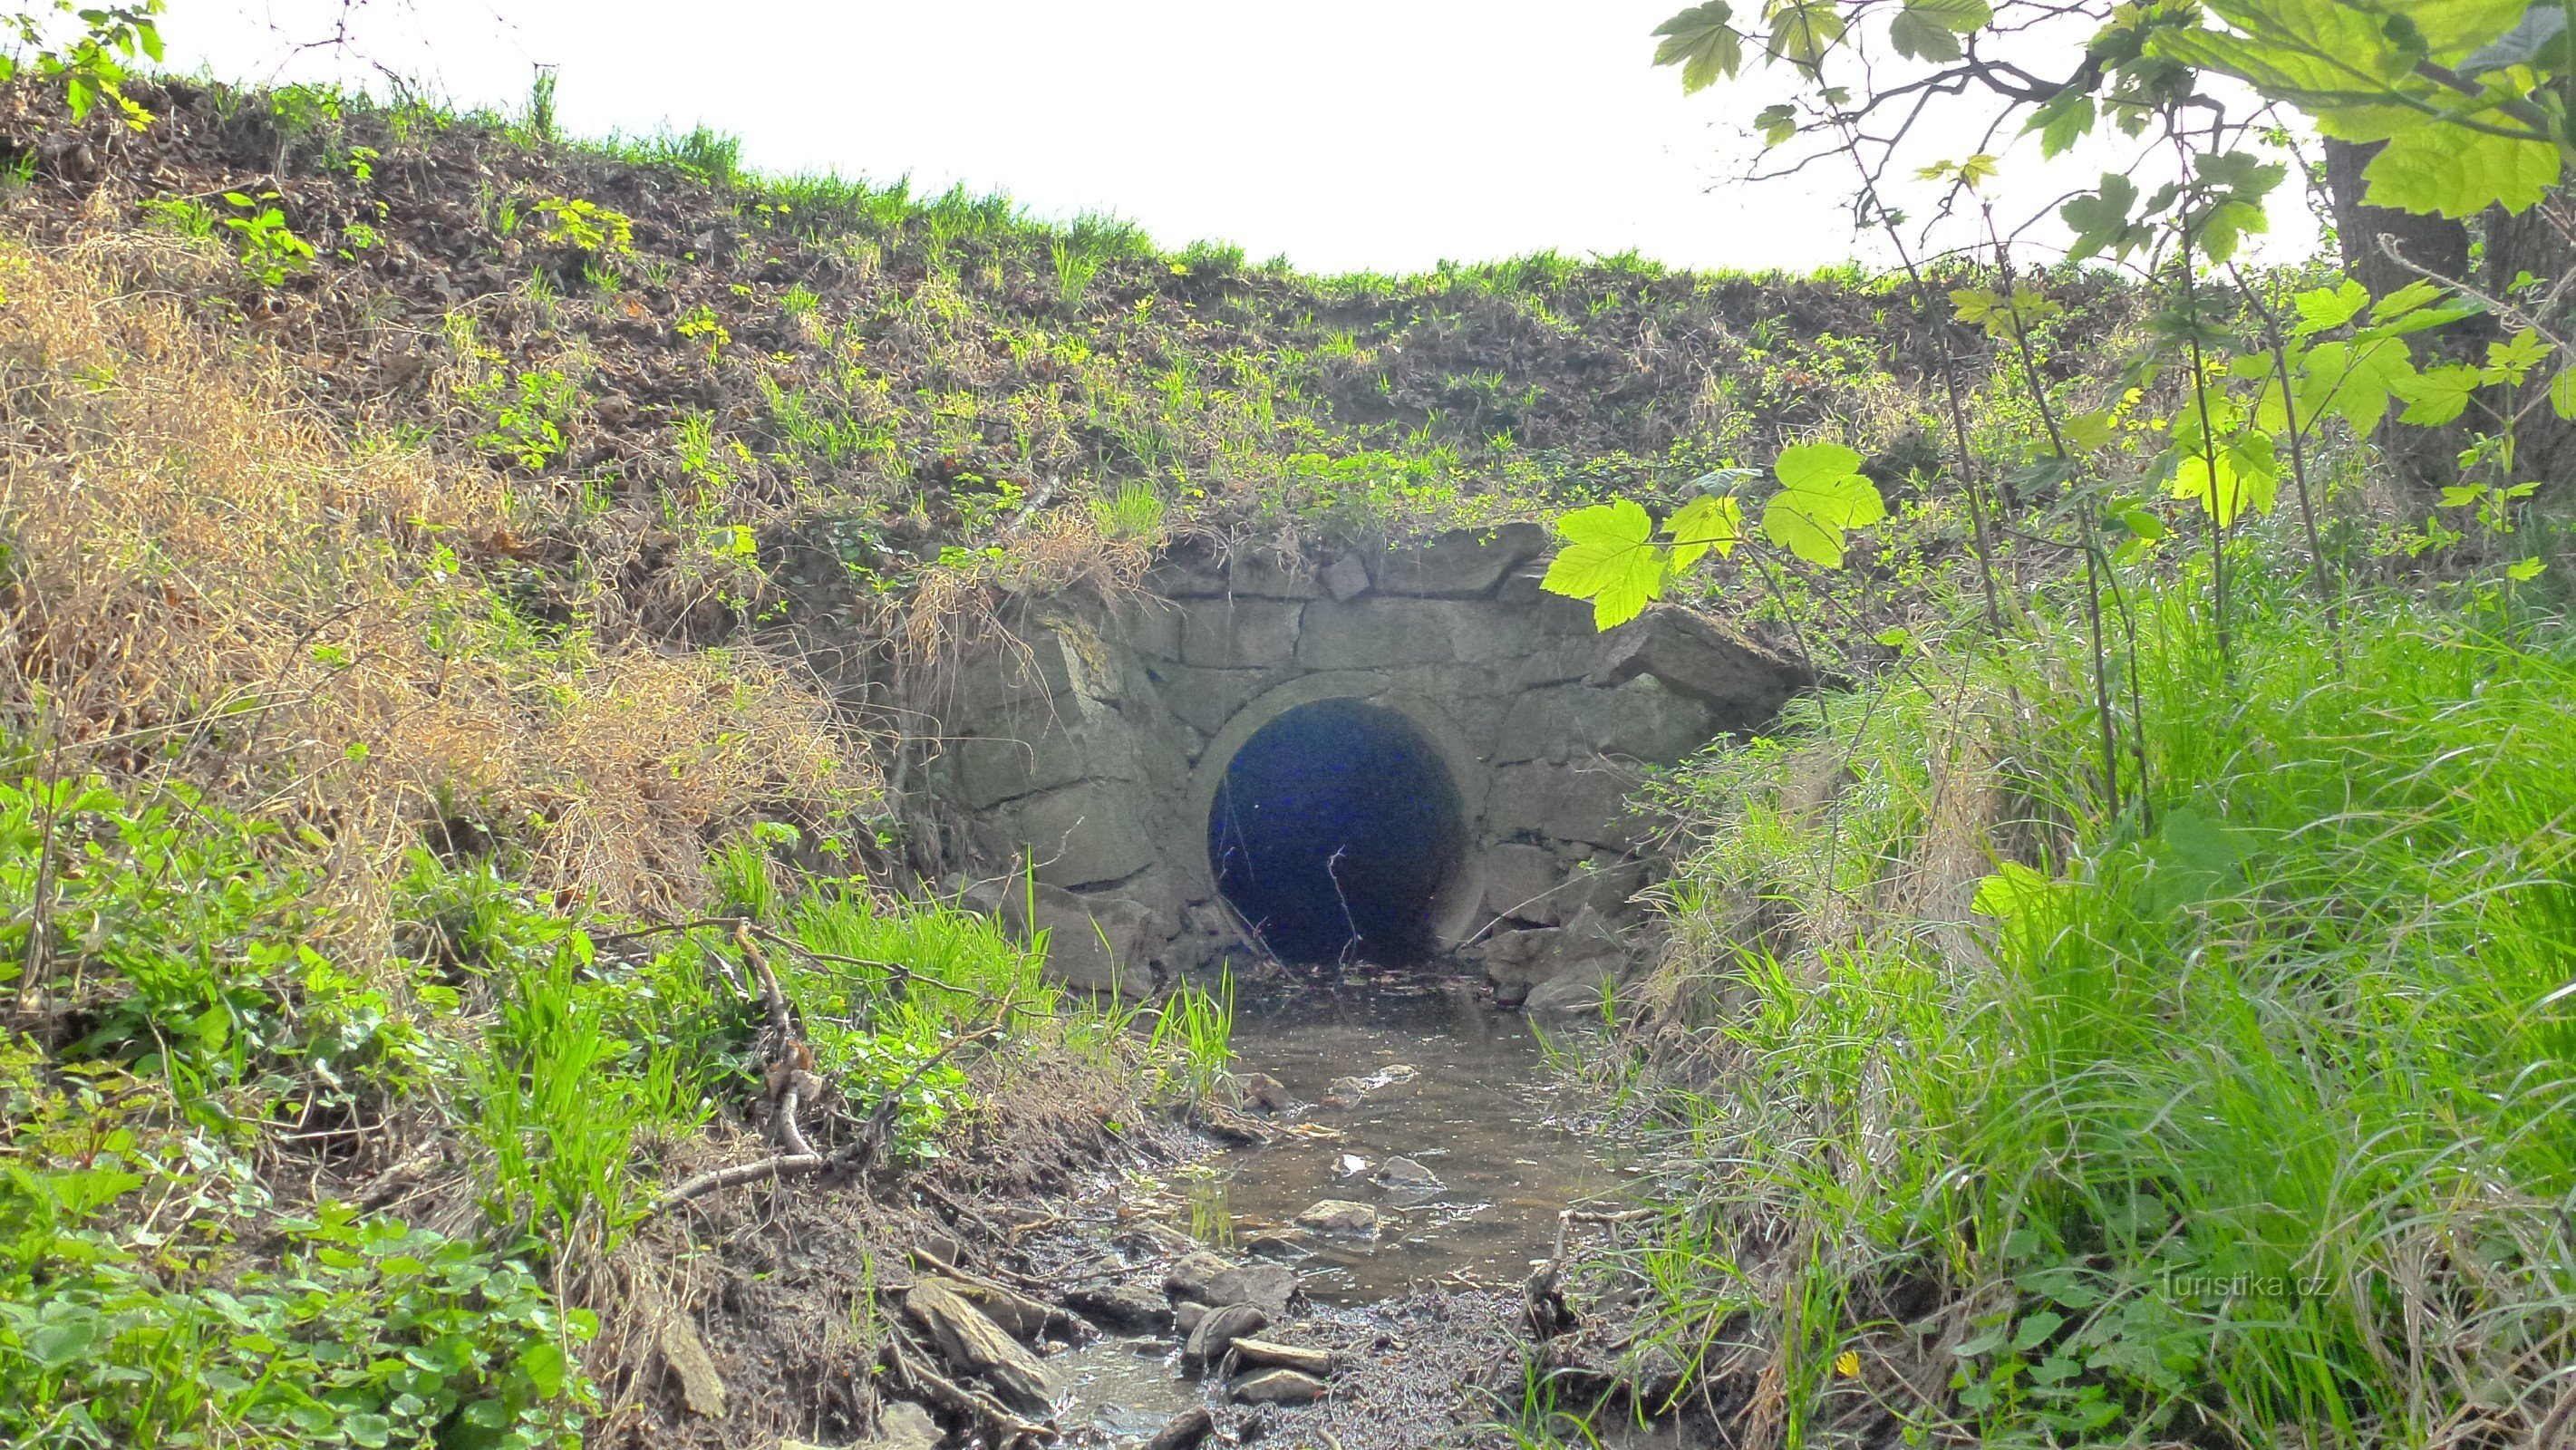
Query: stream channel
[[1447, 1081]]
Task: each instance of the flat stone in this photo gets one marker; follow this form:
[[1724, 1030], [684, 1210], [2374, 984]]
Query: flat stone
[[1122, 1306], [1220, 1328], [1186, 1317], [1027, 749], [1265, 1092], [1085, 834], [1524, 883], [1184, 573], [1567, 997], [1184, 1430], [1347, 577], [1094, 943], [1377, 633], [1698, 657], [1290, 1243], [1519, 962], [1204, 699], [1237, 634], [1641, 719], [1340, 1217], [1345, 1092], [1276, 1387], [1407, 1175], [902, 1425], [1586, 803], [1054, 662], [1316, 1362], [1269, 1285], [1261, 574], [974, 1345], [1460, 562]]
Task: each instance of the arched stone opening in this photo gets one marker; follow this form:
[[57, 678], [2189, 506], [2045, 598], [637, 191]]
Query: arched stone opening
[[1338, 832]]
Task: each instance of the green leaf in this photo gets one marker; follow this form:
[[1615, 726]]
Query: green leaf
[[2438, 395], [2328, 308], [2061, 122], [2513, 359], [1959, 17], [2524, 571], [1777, 123], [368, 1431], [2456, 172], [2355, 380], [2243, 475], [2538, 40], [1609, 558], [2101, 221], [1917, 38], [1802, 31], [2562, 392], [1822, 497], [1703, 42], [2036, 1328], [1710, 521]]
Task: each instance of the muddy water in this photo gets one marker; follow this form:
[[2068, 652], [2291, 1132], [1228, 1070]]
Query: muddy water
[[1451, 1084]]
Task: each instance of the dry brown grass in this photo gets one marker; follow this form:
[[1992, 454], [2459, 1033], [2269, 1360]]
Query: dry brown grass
[[206, 583]]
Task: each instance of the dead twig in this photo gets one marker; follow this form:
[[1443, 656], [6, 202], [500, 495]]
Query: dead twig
[[857, 1156]]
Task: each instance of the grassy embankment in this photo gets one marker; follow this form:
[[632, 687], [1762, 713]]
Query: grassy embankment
[[1996, 1104], [337, 1098]]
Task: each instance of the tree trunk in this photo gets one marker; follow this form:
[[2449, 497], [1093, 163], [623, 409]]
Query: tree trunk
[[2538, 243], [2426, 458]]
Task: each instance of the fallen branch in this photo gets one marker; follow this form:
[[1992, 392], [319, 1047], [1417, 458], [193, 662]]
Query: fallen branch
[[851, 1159]]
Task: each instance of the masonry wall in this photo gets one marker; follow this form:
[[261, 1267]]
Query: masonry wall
[[1093, 746]]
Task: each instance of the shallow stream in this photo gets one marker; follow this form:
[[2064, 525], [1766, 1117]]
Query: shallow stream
[[1449, 1083]]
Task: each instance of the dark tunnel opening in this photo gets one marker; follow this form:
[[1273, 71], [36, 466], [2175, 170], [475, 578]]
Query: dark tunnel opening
[[1333, 833]]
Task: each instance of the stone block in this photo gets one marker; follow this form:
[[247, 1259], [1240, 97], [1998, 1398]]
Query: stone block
[[1205, 699], [1696, 656], [1094, 943], [1187, 573], [1055, 662], [1260, 574], [1525, 884], [1461, 562], [1148, 625], [1377, 633], [1029, 749], [1582, 802], [1090, 832], [1520, 962], [1641, 719], [1236, 634], [1346, 578]]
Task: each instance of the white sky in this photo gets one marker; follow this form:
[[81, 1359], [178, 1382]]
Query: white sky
[[1379, 135]]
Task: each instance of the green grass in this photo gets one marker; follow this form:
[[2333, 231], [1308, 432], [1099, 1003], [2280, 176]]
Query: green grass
[[162, 1279], [2245, 1125]]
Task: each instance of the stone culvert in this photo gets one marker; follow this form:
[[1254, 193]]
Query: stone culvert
[[1388, 756]]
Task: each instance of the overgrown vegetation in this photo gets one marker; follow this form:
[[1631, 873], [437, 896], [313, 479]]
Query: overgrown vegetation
[[2138, 1016]]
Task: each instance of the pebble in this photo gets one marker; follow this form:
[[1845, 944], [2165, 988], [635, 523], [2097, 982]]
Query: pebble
[[1406, 1174], [1277, 1387], [1220, 1328], [1340, 1216], [1265, 1092], [1121, 1306], [1184, 1431]]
